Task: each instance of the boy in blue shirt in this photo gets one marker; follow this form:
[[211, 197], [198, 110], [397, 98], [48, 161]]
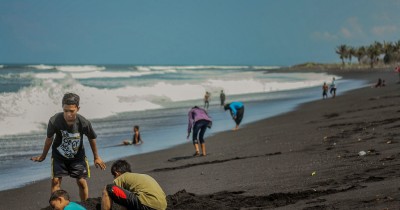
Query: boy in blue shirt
[[59, 200], [237, 111]]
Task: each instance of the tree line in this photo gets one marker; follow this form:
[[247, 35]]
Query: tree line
[[372, 54]]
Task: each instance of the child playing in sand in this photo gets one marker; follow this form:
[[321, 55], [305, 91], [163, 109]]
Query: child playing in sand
[[136, 139], [59, 200], [132, 190]]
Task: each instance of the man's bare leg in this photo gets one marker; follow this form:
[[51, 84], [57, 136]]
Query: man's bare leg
[[56, 184], [105, 200], [83, 189]]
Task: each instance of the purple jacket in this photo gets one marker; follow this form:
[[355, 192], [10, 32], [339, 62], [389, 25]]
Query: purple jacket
[[196, 114]]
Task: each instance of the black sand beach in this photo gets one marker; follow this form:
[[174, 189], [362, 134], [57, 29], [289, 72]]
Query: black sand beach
[[337, 153]]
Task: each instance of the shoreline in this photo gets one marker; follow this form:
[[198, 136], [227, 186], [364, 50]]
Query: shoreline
[[264, 145]]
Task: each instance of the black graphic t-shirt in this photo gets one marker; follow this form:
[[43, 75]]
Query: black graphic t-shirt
[[68, 143]]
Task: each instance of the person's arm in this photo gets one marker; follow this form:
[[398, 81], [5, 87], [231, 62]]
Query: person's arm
[[46, 148], [136, 137], [98, 162], [233, 111], [190, 123]]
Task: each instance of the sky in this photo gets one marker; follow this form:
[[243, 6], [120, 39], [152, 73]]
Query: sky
[[191, 32]]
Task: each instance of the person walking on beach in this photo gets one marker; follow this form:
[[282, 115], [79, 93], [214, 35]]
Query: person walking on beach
[[132, 190], [222, 97], [59, 200], [397, 69], [333, 88], [68, 153], [237, 111], [206, 100], [325, 89], [199, 121]]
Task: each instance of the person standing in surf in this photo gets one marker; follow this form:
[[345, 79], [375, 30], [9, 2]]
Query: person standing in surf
[[237, 111], [206, 100], [68, 153], [199, 121], [222, 97]]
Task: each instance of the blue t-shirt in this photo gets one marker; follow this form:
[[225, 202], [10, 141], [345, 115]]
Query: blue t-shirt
[[234, 106], [74, 206]]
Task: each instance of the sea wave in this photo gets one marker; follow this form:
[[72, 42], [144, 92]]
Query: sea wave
[[29, 109], [82, 68], [41, 67]]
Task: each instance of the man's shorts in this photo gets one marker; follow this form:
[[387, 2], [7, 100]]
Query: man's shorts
[[73, 168], [125, 198]]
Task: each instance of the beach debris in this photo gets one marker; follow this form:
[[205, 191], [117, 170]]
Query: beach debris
[[313, 173], [362, 153], [389, 142]]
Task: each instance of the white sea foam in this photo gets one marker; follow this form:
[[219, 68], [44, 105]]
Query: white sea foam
[[29, 109], [83, 68], [98, 74], [41, 67]]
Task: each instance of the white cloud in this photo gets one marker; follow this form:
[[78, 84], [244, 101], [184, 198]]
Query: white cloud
[[384, 30], [324, 36], [351, 29]]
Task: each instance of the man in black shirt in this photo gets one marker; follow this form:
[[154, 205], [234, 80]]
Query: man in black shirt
[[68, 153]]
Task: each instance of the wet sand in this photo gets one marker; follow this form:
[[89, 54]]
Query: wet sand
[[339, 153]]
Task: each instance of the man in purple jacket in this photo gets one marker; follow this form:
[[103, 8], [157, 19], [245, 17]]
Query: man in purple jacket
[[199, 120]]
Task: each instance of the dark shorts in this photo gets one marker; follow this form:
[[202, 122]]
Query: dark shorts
[[239, 115], [125, 198], [73, 168]]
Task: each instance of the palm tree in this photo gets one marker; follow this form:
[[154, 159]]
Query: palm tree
[[342, 52], [360, 52], [387, 49], [350, 53], [373, 52]]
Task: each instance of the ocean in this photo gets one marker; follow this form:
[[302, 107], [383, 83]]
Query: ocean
[[117, 97]]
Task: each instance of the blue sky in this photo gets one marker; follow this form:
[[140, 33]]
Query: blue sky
[[191, 32]]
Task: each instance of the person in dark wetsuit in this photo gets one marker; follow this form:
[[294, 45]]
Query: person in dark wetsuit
[[222, 97], [237, 111], [136, 139]]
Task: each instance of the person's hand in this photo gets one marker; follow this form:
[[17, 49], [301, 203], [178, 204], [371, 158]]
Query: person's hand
[[98, 162], [38, 158], [187, 137]]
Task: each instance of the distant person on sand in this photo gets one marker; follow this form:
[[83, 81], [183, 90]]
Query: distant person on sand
[[222, 97], [397, 69], [68, 153], [379, 83], [136, 139], [237, 112], [206, 100], [59, 200], [325, 89], [333, 87], [199, 121], [132, 190]]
